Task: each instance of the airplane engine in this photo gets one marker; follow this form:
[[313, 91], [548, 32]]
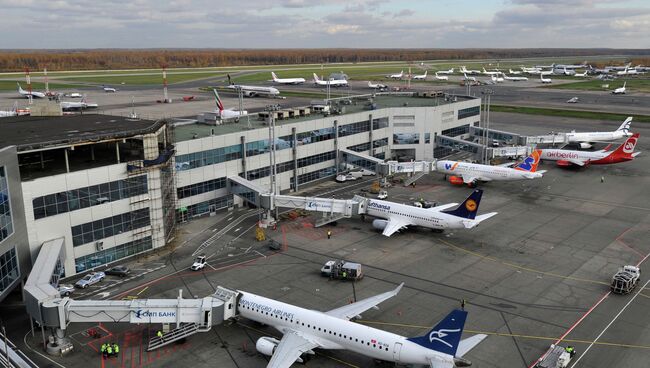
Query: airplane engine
[[379, 224], [266, 345], [456, 180], [585, 145], [249, 94]]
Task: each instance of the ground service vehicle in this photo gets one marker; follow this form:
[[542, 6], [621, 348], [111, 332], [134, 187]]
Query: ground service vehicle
[[555, 357], [120, 271], [199, 263], [626, 279], [342, 270]]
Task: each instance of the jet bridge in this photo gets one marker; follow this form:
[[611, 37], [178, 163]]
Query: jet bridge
[[51, 311], [332, 209], [386, 168], [362, 160]]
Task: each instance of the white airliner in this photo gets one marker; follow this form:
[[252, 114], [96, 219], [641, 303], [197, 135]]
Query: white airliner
[[376, 86], [586, 139], [77, 105], [627, 71], [450, 71], [514, 79], [472, 79], [625, 152], [545, 80], [109, 89], [73, 95], [441, 77], [514, 72], [533, 70], [496, 78], [26, 94], [396, 76], [287, 80], [491, 73], [620, 90], [253, 91], [463, 69], [421, 76], [304, 330], [395, 216], [332, 82], [226, 113], [473, 173], [8, 113]]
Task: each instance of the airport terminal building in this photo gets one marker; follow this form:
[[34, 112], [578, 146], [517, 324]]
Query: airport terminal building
[[113, 187]]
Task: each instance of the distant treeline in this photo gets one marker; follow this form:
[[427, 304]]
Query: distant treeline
[[17, 60]]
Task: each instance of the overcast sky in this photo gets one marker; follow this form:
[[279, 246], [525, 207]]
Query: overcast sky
[[318, 24]]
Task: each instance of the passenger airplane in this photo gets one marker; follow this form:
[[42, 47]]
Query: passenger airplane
[[396, 76], [253, 91], [76, 106], [514, 72], [583, 74], [304, 330], [287, 80], [545, 80], [627, 71], [26, 94], [496, 78], [331, 82], [395, 216], [472, 79], [473, 173], [226, 113], [450, 71], [8, 113], [625, 152], [533, 70], [109, 89], [421, 76], [463, 69], [376, 86], [441, 77], [620, 90], [490, 73], [514, 79], [586, 139], [73, 95]]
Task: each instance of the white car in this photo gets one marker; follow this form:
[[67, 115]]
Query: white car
[[199, 263], [343, 178], [382, 194], [573, 100]]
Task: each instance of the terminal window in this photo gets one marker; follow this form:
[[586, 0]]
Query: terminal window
[[470, 111], [8, 269], [6, 225], [112, 254], [110, 226]]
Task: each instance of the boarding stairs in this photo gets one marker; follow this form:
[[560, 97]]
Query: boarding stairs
[[415, 177], [176, 334]]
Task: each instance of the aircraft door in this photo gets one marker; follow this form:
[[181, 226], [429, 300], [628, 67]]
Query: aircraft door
[[396, 351]]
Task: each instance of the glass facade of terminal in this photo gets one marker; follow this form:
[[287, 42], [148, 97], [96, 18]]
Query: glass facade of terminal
[[112, 254], [315, 175], [6, 223], [8, 269], [71, 200], [455, 132], [207, 207], [209, 157], [110, 226], [202, 187], [470, 111]]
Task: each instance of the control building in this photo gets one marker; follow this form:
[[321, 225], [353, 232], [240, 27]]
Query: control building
[[108, 185]]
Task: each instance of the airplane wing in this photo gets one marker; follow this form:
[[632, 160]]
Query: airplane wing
[[443, 207], [468, 344], [394, 225], [352, 310], [290, 348], [468, 179]]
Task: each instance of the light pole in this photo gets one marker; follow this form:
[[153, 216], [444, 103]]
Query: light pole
[[486, 127]]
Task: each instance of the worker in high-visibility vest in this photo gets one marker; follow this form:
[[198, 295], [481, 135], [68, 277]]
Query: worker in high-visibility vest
[[116, 349], [103, 350], [109, 350], [159, 334]]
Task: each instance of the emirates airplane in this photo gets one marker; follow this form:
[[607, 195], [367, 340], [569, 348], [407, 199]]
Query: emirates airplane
[[305, 330], [625, 152]]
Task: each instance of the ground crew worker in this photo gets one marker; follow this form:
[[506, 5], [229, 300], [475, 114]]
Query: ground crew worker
[[103, 350], [602, 179], [329, 234], [462, 304], [345, 275], [571, 351], [109, 350], [159, 334], [116, 349]]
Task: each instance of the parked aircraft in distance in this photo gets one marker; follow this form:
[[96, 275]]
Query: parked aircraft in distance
[[109, 89], [583, 74], [471, 174], [491, 72], [421, 76], [469, 79], [514, 72], [496, 78], [304, 330], [330, 82], [587, 139], [376, 86], [620, 90], [514, 79], [73, 95], [441, 77], [627, 71], [625, 152], [463, 69], [8, 113], [532, 70], [545, 80], [77, 105], [253, 91], [396, 76], [287, 80], [26, 94], [393, 217], [226, 113], [450, 71]]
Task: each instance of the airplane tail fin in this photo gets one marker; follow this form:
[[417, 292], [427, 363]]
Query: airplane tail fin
[[529, 163], [625, 127], [445, 336], [626, 150], [469, 207], [20, 89], [217, 100], [624, 83], [275, 77], [316, 79]]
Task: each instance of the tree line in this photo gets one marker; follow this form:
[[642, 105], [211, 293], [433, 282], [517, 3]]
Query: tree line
[[104, 59]]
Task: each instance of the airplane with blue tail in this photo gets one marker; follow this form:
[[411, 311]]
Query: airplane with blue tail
[[305, 330], [392, 217], [471, 174]]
